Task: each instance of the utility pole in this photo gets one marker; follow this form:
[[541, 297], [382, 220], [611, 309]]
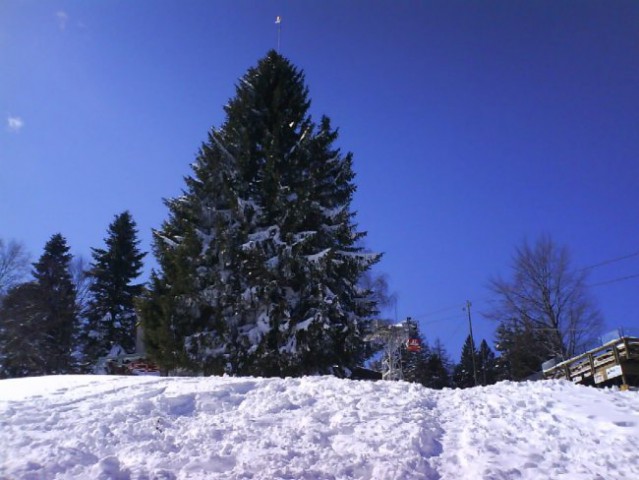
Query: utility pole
[[472, 341]]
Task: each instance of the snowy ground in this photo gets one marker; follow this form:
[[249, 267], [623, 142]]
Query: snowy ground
[[92, 427]]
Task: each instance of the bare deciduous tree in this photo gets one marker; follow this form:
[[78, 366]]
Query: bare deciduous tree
[[82, 280], [377, 284], [14, 264], [545, 295]]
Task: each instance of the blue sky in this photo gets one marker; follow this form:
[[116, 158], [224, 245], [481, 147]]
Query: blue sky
[[474, 125]]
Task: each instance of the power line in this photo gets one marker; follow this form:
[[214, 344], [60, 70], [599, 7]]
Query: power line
[[459, 316], [615, 280], [488, 298], [441, 310], [612, 260], [452, 336]]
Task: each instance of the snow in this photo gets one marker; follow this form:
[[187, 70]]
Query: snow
[[101, 427], [302, 236], [167, 241], [371, 257], [268, 233], [305, 324], [220, 145], [318, 256], [331, 213], [255, 332]]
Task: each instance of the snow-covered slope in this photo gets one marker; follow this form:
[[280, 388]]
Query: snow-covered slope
[[92, 427]]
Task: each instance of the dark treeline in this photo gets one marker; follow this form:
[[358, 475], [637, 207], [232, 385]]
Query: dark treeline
[[65, 317]]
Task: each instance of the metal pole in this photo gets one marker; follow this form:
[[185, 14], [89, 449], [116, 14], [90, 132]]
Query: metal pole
[[472, 341], [278, 22]]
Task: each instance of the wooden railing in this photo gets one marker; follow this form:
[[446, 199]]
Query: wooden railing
[[616, 358]]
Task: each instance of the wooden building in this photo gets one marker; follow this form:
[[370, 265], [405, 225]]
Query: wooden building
[[616, 362]]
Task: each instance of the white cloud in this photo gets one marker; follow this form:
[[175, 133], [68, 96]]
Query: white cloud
[[63, 19], [14, 124]]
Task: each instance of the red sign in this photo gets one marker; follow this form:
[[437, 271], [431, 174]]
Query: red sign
[[413, 345]]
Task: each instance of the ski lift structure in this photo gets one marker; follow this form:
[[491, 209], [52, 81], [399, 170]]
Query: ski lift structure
[[396, 337]]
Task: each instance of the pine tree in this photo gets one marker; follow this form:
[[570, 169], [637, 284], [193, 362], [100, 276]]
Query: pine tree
[[415, 363], [110, 316], [486, 365], [259, 258], [463, 375], [57, 305], [38, 318], [438, 367], [21, 334], [157, 311], [522, 350]]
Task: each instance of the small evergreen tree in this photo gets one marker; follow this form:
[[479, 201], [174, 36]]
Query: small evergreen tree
[[110, 315], [259, 258], [428, 366], [486, 365], [463, 375], [438, 376], [522, 350], [438, 367], [415, 363], [161, 340], [56, 307]]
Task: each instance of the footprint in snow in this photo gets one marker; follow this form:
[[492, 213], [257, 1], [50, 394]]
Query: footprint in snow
[[624, 424]]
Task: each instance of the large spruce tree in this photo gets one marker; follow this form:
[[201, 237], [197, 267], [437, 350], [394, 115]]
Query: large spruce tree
[[259, 258], [110, 315]]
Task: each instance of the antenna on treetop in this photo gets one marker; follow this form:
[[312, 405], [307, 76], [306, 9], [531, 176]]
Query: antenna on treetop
[[278, 22]]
